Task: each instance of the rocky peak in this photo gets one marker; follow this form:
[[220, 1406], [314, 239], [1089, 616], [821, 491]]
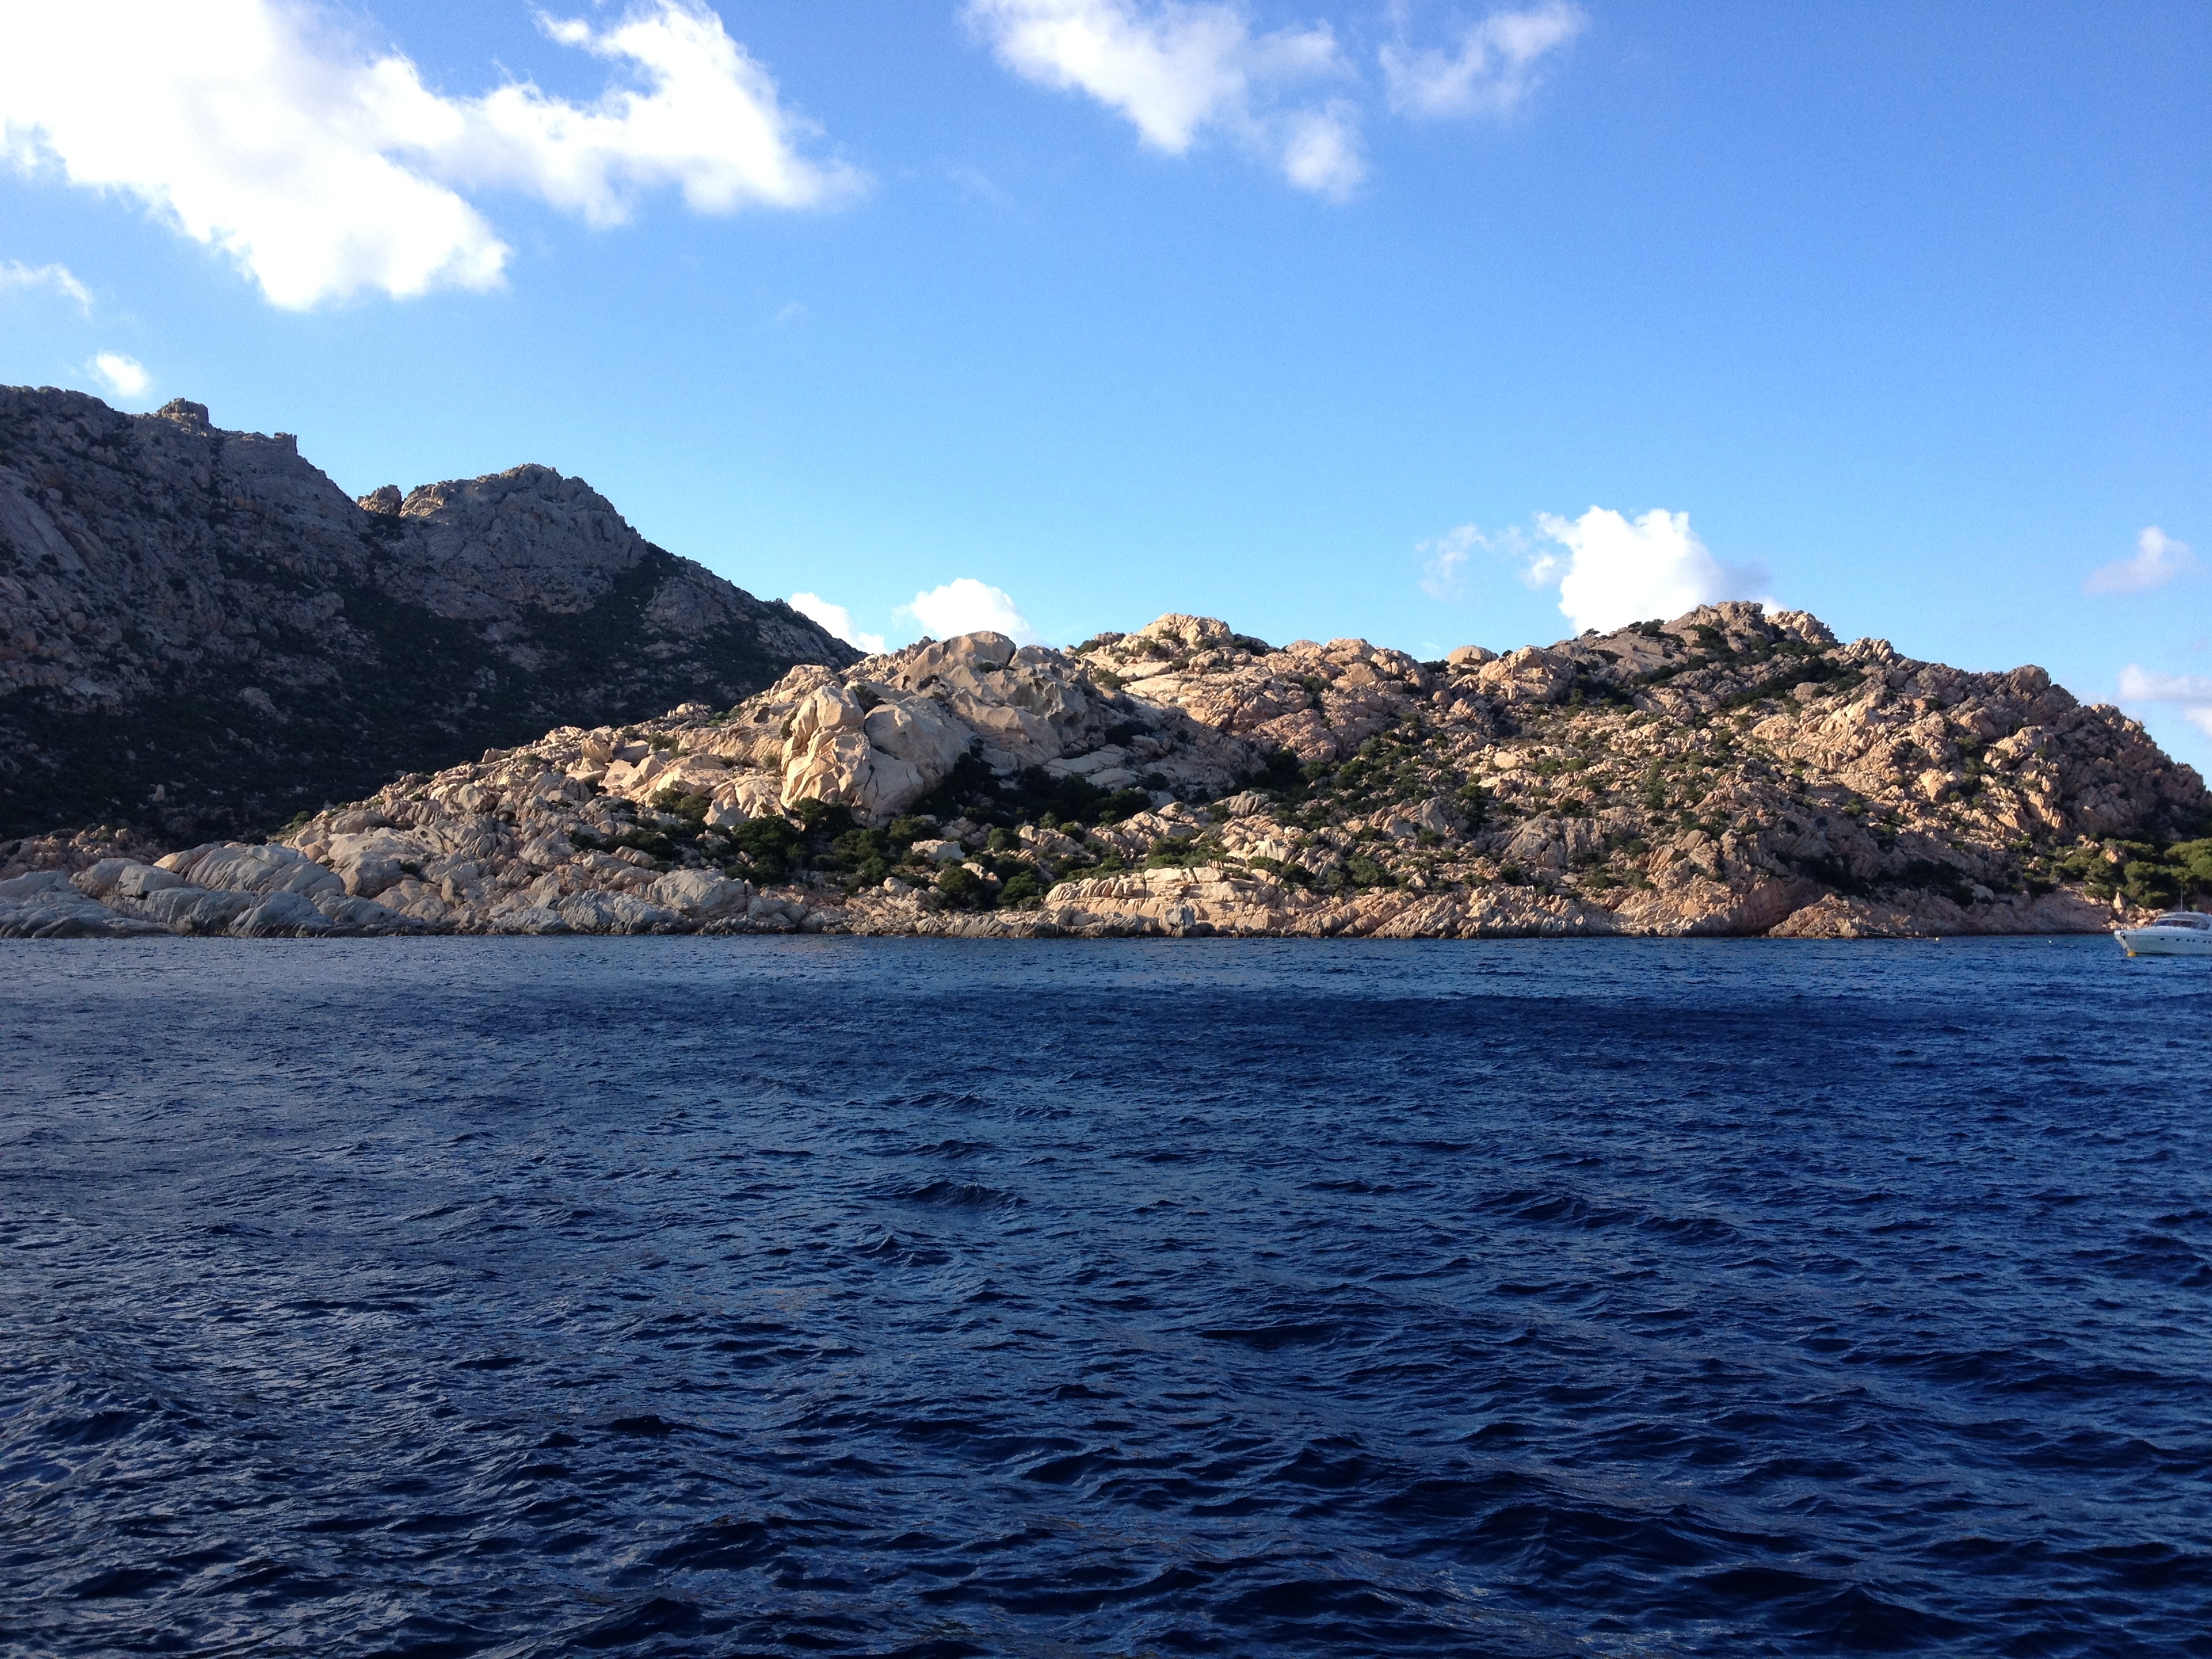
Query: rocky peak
[[203, 628], [1191, 633], [959, 660], [525, 537]]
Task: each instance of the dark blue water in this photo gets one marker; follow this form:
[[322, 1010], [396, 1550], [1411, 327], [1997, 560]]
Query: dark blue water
[[848, 1297]]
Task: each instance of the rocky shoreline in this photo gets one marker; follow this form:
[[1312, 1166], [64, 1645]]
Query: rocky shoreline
[[1729, 772]]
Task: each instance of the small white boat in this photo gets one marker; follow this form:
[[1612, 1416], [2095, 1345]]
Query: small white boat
[[2176, 933]]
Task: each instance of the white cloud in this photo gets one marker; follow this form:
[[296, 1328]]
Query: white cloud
[[836, 619], [126, 377], [60, 278], [978, 185], [2140, 685], [2158, 559], [2191, 693], [1614, 572], [1178, 69], [967, 606], [323, 170], [1444, 562], [1495, 67]]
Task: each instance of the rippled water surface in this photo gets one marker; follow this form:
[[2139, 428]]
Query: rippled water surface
[[875, 1297]]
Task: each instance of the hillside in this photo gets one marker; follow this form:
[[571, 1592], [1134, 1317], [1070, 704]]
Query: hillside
[[199, 632], [1726, 773]]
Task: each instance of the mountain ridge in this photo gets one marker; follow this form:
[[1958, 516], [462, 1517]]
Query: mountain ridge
[[200, 631]]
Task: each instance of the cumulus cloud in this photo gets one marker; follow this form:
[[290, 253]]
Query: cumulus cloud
[[836, 619], [967, 606], [2190, 693], [60, 279], [324, 170], [126, 377], [2158, 559], [1180, 69], [1495, 65], [1612, 571]]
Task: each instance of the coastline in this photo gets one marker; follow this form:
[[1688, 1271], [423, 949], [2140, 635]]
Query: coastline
[[1731, 774], [1183, 904]]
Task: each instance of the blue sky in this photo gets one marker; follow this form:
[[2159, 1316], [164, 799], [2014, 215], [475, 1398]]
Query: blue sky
[[1326, 318]]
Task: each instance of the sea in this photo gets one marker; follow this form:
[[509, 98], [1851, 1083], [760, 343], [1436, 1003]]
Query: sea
[[826, 1295]]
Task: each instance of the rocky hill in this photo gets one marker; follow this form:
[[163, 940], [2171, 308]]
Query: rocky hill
[[1726, 773], [199, 631]]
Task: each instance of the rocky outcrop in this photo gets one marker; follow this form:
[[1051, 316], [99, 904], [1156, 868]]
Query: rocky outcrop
[[199, 631], [1728, 772]]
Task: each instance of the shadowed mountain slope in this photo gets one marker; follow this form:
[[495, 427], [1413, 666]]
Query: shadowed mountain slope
[[200, 632]]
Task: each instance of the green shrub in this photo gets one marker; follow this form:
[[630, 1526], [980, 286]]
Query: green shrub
[[821, 816], [1168, 853], [856, 848], [972, 790], [2154, 886], [2193, 860], [1022, 892], [961, 888], [769, 843], [1123, 804], [692, 808]]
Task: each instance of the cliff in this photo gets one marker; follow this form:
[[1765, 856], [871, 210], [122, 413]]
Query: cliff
[[200, 632], [1726, 773]]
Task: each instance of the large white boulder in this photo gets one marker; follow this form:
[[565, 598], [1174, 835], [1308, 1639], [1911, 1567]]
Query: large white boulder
[[917, 742], [1532, 674], [745, 795], [45, 905], [1174, 899], [241, 868], [701, 894], [280, 914], [124, 878], [194, 909], [538, 919], [611, 913], [349, 914], [878, 761], [374, 860]]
